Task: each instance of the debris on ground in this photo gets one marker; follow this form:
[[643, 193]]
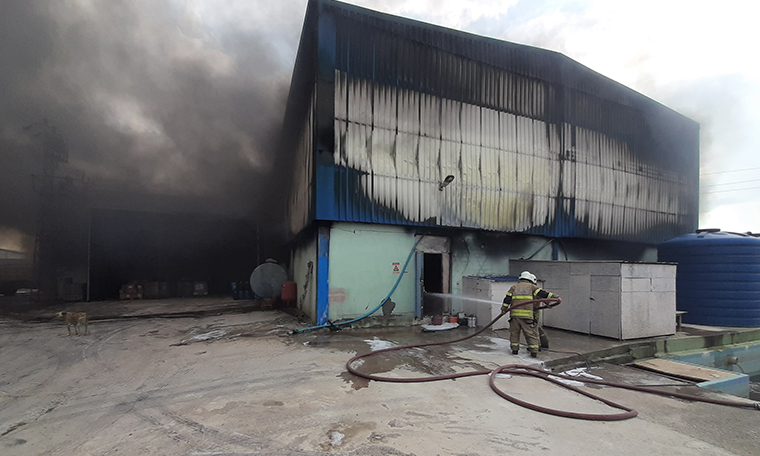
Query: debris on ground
[[336, 438]]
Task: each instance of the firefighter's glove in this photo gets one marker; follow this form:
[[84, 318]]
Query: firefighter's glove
[[504, 308]]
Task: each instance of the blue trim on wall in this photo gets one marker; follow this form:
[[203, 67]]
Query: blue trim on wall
[[326, 37], [325, 202], [325, 188], [323, 270]]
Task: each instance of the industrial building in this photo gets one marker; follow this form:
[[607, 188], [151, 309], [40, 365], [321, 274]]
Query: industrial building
[[92, 247], [462, 153]]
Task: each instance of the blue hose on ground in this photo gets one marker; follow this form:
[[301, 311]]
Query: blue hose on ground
[[401, 276]]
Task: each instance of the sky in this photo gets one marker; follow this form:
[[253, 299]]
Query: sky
[[186, 97]]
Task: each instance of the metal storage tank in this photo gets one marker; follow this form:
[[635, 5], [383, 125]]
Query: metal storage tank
[[267, 279], [718, 278]]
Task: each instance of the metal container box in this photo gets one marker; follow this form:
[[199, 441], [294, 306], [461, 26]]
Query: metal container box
[[616, 299], [491, 289]]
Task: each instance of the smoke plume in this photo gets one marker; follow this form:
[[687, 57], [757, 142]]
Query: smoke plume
[[151, 97]]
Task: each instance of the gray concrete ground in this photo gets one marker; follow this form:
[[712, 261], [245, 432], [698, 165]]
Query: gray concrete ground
[[237, 383]]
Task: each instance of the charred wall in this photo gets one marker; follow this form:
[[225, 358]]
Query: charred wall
[[536, 142]]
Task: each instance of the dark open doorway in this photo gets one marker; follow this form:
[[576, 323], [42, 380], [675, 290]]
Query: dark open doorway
[[433, 276], [433, 272], [432, 280]]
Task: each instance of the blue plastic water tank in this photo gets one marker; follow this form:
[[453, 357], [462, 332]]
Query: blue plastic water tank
[[718, 277]]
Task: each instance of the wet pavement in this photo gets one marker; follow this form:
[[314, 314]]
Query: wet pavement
[[239, 383], [25, 309]]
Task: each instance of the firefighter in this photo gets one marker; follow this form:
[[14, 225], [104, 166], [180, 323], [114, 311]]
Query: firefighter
[[523, 318], [542, 336]]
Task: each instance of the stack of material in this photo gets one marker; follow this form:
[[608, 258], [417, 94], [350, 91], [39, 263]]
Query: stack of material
[[132, 290]]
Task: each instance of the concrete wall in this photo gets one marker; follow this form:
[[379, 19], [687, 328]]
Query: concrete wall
[[361, 274], [608, 298], [361, 258], [305, 275], [482, 254], [648, 300], [748, 355]]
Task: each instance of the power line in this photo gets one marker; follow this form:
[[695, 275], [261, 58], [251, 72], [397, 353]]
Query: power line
[[733, 190], [731, 171], [732, 183]]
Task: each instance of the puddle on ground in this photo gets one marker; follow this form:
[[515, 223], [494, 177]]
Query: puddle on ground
[[357, 383], [371, 365], [427, 361], [214, 333], [340, 433]]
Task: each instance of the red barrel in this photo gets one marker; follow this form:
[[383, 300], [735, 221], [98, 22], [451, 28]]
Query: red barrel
[[289, 291]]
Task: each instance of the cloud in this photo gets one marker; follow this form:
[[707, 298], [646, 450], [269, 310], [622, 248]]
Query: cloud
[[456, 14], [737, 217]]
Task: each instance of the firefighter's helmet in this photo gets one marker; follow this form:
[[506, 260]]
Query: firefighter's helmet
[[526, 275]]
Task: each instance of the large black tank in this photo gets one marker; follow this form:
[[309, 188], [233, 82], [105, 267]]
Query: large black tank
[[718, 278]]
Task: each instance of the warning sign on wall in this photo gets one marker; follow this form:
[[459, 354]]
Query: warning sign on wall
[[397, 268]]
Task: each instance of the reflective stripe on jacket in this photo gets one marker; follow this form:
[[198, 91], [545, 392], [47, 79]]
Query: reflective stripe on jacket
[[521, 292]]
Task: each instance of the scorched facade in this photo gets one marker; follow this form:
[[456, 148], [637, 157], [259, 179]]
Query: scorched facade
[[383, 109]]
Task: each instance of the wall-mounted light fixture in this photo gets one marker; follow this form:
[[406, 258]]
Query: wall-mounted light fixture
[[445, 182]]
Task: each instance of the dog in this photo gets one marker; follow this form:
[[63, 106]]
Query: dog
[[74, 318]]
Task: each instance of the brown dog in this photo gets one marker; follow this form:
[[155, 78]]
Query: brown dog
[[74, 318]]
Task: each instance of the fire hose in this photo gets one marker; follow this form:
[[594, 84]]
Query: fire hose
[[519, 369]]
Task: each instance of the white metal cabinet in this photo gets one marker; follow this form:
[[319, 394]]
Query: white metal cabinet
[[614, 299]]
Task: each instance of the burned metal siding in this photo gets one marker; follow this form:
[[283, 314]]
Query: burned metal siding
[[301, 203], [537, 142], [299, 129]]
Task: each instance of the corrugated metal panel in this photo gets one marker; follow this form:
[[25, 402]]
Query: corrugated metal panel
[[602, 192], [300, 202], [535, 141]]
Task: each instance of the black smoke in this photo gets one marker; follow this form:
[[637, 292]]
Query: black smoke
[[150, 96]]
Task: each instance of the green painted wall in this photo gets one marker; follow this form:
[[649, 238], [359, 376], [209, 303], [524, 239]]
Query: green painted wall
[[361, 269], [362, 257]]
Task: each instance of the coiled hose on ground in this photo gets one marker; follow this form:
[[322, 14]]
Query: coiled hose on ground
[[519, 369]]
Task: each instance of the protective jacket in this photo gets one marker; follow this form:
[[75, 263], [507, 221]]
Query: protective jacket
[[521, 292]]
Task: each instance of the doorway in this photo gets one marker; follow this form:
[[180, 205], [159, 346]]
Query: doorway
[[432, 282], [433, 272], [433, 276]]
